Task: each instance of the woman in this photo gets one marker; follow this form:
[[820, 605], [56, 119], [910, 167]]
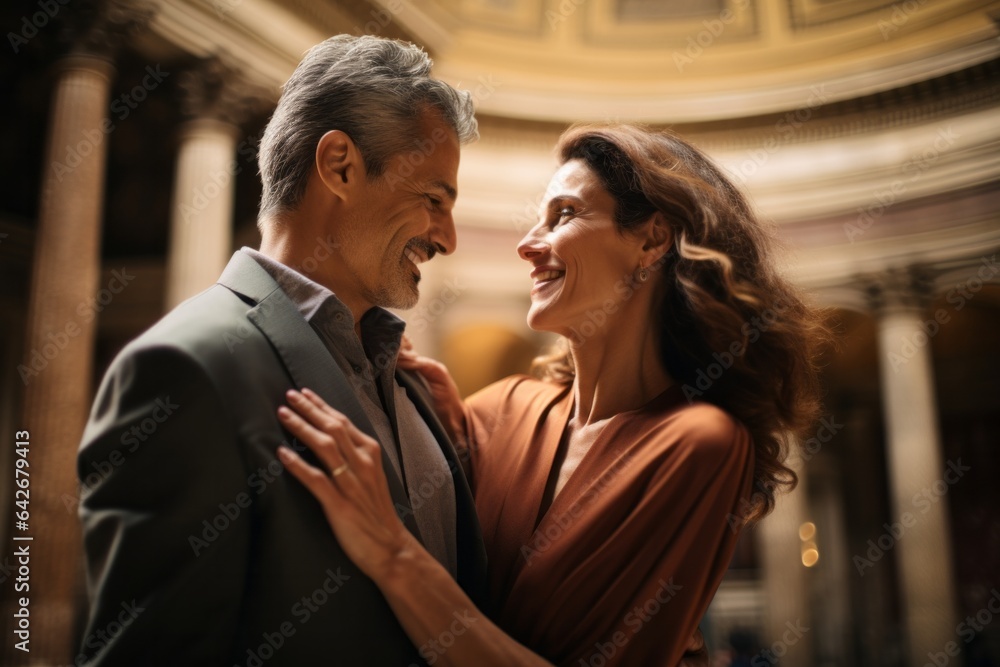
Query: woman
[[611, 491]]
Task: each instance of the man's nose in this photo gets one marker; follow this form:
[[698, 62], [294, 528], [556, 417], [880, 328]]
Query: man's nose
[[443, 233]]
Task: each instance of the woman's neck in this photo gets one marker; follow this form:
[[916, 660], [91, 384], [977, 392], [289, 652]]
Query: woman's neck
[[617, 371]]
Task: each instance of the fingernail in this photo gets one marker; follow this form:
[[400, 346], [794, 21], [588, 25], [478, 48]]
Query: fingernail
[[285, 454], [284, 412]]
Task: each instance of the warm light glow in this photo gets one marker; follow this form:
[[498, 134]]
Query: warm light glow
[[807, 530], [810, 556]]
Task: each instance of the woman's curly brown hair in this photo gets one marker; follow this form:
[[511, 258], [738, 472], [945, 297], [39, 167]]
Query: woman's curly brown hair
[[732, 331]]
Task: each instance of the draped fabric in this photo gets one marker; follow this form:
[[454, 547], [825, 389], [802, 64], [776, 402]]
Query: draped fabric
[[621, 567]]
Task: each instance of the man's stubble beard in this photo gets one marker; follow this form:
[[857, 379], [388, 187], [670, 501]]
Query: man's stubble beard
[[398, 291], [403, 296]]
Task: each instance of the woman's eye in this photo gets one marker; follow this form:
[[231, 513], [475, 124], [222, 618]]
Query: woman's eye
[[561, 214], [434, 201]]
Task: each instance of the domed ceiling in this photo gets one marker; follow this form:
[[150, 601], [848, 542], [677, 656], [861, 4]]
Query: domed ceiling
[[658, 61], [681, 60], [815, 106]]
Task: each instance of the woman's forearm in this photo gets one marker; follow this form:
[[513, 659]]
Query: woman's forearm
[[440, 618]]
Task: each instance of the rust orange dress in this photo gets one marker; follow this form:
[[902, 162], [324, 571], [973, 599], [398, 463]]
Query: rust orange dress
[[622, 566]]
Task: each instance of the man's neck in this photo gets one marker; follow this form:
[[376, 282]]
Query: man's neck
[[284, 249]]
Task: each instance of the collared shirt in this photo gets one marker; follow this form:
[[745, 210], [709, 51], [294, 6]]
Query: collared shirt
[[369, 363]]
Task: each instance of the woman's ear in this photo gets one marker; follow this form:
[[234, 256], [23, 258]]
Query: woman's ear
[[658, 238], [338, 163]]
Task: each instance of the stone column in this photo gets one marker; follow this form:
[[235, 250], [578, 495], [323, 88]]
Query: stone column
[[786, 585], [216, 100], [917, 472], [57, 362]]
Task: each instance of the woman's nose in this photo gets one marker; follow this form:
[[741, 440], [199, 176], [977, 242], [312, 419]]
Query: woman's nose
[[531, 246]]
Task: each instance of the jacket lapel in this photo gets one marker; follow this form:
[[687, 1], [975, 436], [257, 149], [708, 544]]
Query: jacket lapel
[[308, 361], [471, 551]]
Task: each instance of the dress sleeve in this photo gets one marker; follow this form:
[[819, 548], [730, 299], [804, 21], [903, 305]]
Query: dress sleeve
[[660, 568], [486, 411]]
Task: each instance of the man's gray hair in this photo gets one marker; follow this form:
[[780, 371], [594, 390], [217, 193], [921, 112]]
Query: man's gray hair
[[375, 90]]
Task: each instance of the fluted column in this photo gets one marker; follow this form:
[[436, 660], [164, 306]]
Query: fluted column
[[787, 626], [59, 342], [919, 478], [216, 99], [201, 219]]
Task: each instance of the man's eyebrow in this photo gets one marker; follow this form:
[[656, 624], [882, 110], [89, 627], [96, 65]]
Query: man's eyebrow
[[448, 189]]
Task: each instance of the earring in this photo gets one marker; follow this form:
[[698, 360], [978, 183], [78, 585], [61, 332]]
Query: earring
[[642, 274]]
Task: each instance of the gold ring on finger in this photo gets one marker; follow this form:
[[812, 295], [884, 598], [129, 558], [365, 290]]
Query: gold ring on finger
[[339, 469]]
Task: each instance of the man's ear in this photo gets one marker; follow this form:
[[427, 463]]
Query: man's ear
[[339, 165], [657, 238]]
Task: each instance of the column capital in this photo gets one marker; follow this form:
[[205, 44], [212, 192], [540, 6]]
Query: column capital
[[899, 288], [216, 89], [98, 28]]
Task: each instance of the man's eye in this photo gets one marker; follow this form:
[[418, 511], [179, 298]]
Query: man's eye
[[434, 201], [566, 211]]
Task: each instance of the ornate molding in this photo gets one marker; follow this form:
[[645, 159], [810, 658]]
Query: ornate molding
[[216, 89], [899, 288], [99, 28], [963, 91]]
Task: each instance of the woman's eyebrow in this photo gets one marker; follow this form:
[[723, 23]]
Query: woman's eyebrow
[[558, 200]]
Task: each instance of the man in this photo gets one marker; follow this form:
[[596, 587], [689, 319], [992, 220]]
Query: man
[[200, 549]]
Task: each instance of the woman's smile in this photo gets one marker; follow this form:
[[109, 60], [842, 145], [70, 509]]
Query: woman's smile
[[545, 277]]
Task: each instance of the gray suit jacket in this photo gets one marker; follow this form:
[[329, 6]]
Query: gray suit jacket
[[200, 549]]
